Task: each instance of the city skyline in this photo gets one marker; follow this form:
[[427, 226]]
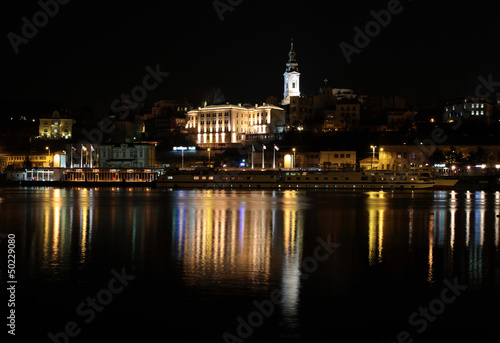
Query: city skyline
[[78, 56]]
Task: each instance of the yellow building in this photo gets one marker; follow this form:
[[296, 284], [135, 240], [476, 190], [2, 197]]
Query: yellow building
[[56, 127], [16, 161]]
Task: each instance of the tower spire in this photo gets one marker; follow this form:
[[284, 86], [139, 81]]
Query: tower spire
[[292, 64]]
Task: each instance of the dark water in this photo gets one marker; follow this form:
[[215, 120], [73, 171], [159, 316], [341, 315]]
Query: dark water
[[127, 265]]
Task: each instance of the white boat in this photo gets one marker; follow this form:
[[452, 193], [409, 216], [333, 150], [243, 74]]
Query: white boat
[[439, 181], [293, 179]]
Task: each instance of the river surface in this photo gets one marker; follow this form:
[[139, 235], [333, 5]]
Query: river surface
[[127, 265]]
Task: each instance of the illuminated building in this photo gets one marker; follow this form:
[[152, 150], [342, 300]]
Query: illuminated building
[[56, 127], [476, 109], [226, 125], [17, 161]]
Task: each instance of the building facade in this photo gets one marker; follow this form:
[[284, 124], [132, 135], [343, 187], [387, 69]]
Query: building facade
[[166, 117], [476, 109], [127, 156], [404, 157], [220, 126], [56, 127], [18, 161]]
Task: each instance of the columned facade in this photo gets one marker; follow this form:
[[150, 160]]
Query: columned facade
[[226, 125]]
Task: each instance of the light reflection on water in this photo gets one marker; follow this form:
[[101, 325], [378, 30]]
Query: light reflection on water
[[233, 236], [240, 241], [251, 242]]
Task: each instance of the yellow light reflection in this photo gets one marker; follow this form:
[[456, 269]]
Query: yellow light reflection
[[226, 238], [376, 216], [430, 272], [497, 220]]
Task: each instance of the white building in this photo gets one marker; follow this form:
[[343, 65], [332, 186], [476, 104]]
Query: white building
[[226, 125], [127, 156]]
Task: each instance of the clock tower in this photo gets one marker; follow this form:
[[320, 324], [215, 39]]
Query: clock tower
[[292, 78]]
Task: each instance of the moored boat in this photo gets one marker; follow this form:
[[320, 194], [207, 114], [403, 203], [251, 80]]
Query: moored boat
[[292, 179]]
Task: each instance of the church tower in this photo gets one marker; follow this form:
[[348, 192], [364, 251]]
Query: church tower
[[292, 78]]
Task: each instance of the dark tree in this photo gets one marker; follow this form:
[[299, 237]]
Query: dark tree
[[27, 163]]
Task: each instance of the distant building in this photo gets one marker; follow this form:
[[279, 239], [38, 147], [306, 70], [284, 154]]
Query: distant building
[[166, 117], [346, 116], [229, 125], [127, 130], [337, 159], [378, 109], [127, 156], [407, 156], [312, 159], [474, 109], [396, 120], [56, 127]]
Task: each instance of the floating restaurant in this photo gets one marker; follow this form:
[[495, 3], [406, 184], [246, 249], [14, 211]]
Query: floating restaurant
[[110, 175], [89, 176]]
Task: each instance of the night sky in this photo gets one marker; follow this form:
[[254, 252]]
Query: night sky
[[90, 52]]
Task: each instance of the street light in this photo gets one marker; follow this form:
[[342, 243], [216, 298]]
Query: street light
[[208, 156], [293, 162], [373, 154]]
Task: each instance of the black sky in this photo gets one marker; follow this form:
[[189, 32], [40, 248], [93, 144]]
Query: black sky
[[91, 52]]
